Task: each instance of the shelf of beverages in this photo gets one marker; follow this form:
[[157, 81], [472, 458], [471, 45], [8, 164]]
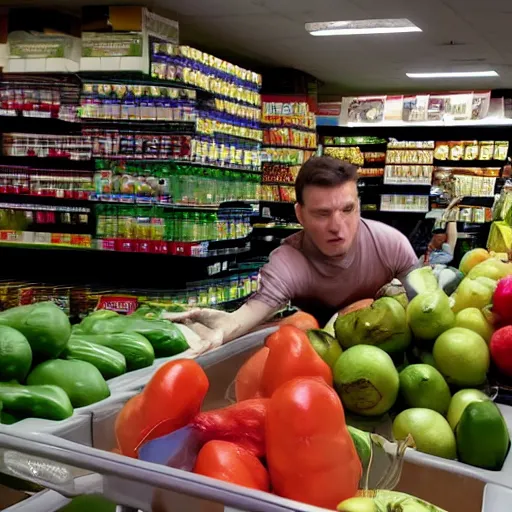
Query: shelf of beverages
[[158, 224]]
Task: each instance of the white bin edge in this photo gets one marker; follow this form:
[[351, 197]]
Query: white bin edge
[[127, 481], [503, 477], [497, 499]]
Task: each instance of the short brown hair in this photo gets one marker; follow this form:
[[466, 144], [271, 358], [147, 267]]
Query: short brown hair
[[323, 171]]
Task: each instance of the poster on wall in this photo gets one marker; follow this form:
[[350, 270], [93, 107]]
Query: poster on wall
[[366, 109], [417, 108]]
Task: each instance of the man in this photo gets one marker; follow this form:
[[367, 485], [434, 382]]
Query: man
[[337, 259]]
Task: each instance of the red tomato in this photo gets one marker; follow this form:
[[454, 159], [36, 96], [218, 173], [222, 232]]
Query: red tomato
[[302, 320], [310, 454], [170, 400], [248, 378], [231, 463], [242, 424], [291, 355]]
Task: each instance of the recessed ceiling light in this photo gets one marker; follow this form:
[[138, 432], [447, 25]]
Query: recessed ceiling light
[[455, 74], [350, 28]]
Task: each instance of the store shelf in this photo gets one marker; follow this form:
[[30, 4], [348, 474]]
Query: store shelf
[[469, 163], [284, 146], [131, 78], [143, 126], [35, 200], [188, 163], [475, 130], [37, 125], [50, 163], [299, 128], [88, 266]]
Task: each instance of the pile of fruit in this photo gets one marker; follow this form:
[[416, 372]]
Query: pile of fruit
[[286, 433], [48, 369], [428, 359]]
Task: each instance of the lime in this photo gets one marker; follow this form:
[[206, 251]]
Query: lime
[[431, 432], [460, 401], [474, 320], [15, 355], [462, 357], [421, 385], [429, 315], [482, 436], [366, 380]]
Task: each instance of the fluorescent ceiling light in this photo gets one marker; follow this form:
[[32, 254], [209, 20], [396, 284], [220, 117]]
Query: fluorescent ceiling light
[[455, 74], [350, 28]]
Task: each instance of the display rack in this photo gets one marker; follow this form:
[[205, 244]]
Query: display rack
[[97, 164], [416, 178]]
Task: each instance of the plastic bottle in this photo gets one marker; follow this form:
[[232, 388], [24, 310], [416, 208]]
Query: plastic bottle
[[195, 227], [185, 228], [101, 220], [213, 227]]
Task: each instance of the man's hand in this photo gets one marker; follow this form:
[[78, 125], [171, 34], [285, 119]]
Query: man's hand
[[210, 325], [217, 327]]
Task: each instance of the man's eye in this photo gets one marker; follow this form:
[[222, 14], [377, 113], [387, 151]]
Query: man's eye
[[349, 209]]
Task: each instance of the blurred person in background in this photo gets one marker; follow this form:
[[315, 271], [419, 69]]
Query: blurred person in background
[[441, 249]]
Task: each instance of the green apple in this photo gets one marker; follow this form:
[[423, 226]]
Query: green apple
[[474, 320], [325, 345]]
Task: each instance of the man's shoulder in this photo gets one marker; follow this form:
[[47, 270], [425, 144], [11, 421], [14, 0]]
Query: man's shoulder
[[289, 251]]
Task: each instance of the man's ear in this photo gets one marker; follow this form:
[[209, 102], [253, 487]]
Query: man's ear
[[298, 213]]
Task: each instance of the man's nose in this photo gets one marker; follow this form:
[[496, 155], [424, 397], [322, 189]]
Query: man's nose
[[336, 223]]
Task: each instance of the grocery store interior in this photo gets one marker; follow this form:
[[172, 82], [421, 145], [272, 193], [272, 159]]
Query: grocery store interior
[[148, 159]]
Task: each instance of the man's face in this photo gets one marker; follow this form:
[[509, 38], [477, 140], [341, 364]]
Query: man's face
[[330, 217]]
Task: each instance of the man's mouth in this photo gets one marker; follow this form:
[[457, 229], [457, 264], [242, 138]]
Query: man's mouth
[[335, 240]]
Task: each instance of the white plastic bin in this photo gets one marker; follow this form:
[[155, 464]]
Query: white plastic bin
[[133, 483], [497, 499]]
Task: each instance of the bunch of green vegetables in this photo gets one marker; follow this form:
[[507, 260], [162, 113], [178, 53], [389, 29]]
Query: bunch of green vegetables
[[47, 368]]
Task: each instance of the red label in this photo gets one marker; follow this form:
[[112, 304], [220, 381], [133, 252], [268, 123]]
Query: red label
[[118, 303]]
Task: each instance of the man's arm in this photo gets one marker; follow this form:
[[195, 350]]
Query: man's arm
[[402, 257], [279, 280], [451, 235]]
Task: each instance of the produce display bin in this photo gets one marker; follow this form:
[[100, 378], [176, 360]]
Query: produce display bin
[[78, 428], [62, 464], [137, 378], [44, 501], [57, 464], [497, 499]]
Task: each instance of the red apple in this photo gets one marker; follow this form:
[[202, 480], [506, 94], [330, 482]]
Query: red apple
[[501, 349]]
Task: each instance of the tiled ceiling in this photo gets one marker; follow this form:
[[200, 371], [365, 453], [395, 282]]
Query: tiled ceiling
[[457, 35]]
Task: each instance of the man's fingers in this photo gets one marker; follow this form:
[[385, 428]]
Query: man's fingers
[[181, 318], [209, 338]]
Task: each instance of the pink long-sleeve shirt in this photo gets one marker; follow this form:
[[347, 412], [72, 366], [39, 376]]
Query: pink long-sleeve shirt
[[299, 273]]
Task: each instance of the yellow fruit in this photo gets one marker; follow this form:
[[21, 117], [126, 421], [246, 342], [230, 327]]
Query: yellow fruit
[[472, 258], [462, 357], [474, 320]]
